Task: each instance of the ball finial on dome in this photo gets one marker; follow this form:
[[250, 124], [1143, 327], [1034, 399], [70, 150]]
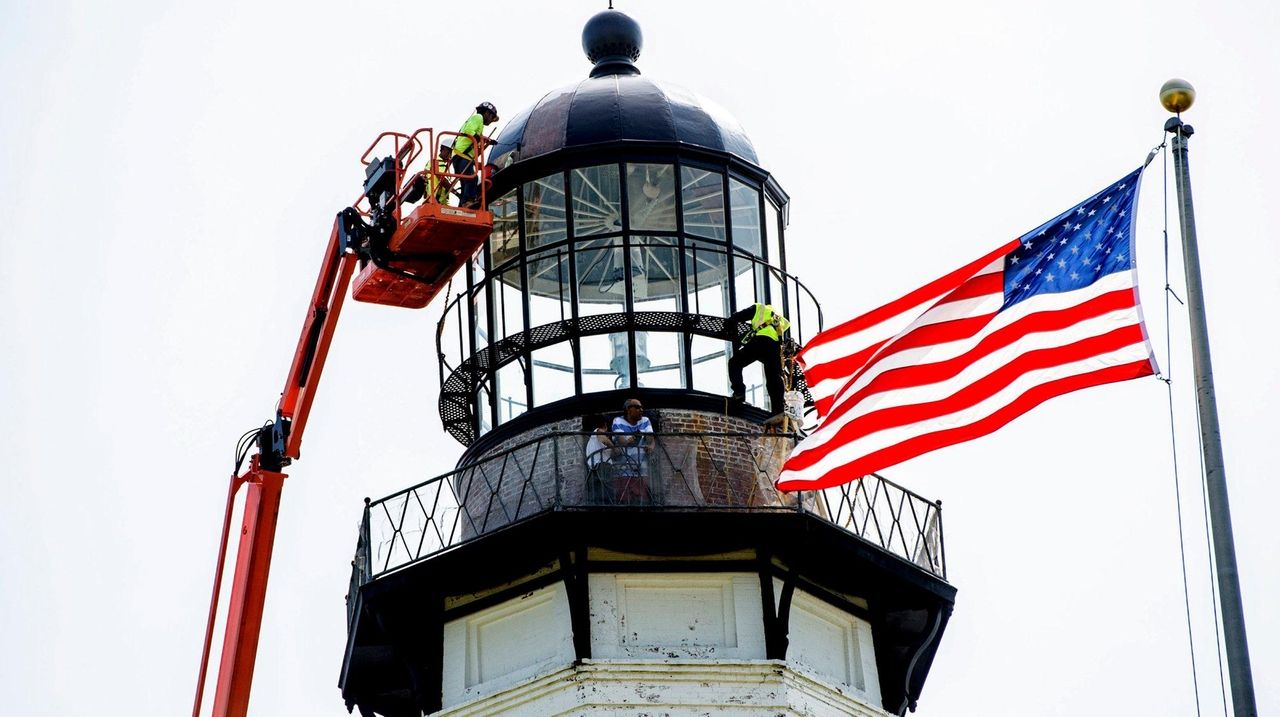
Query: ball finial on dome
[[612, 41]]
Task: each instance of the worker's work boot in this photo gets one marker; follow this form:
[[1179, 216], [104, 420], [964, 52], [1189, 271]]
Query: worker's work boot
[[739, 395]]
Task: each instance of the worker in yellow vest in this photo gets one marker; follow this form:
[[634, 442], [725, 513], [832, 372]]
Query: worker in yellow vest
[[439, 185], [763, 343], [468, 148]]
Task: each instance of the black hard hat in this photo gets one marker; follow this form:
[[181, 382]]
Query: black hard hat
[[487, 107]]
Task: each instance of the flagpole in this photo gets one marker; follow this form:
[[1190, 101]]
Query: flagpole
[[1177, 96]]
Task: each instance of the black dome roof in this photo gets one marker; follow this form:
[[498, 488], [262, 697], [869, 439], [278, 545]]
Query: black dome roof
[[617, 104]]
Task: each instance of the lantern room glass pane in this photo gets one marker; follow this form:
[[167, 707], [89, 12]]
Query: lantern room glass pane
[[710, 365], [545, 218], [549, 287], [773, 233], [504, 242], [601, 269], [706, 272], [655, 273], [482, 408], [601, 371], [748, 281], [702, 200], [480, 311], [552, 373], [509, 297], [513, 399], [660, 359], [651, 197], [744, 200], [597, 200]]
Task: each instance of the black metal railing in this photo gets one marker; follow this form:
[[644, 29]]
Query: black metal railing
[[664, 471]]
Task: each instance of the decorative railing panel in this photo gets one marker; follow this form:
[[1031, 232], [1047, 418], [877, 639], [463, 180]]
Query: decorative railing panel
[[669, 471]]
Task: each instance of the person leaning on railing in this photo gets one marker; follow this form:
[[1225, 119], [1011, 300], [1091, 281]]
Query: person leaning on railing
[[599, 457], [600, 443], [630, 437]]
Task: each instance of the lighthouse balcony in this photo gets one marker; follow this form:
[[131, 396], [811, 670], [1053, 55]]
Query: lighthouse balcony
[[705, 471], [540, 573]]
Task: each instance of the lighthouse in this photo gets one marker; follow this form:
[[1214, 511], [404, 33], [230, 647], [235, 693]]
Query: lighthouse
[[554, 572]]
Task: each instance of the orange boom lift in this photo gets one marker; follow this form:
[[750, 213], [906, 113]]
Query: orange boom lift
[[407, 254]]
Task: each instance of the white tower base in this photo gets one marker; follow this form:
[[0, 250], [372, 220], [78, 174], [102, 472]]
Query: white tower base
[[670, 688]]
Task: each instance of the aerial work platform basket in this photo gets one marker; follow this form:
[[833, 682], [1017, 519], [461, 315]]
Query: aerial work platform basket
[[411, 263]]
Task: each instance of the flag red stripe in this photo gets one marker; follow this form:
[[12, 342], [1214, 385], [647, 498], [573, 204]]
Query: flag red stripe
[[841, 367], [979, 390], [981, 285], [920, 445], [848, 367], [1040, 321], [929, 291]]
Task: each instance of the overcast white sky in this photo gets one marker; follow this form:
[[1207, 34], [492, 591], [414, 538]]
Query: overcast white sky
[[170, 175]]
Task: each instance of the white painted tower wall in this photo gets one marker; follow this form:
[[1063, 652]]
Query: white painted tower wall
[[671, 644]]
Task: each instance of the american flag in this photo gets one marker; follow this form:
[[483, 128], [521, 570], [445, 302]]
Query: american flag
[[1051, 312]]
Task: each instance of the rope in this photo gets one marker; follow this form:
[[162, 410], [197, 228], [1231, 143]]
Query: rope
[[1173, 434]]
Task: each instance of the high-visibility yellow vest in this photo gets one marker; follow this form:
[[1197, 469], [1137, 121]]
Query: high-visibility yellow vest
[[440, 185], [472, 127], [768, 322]]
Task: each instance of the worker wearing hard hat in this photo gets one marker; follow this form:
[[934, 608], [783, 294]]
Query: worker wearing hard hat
[[468, 147]]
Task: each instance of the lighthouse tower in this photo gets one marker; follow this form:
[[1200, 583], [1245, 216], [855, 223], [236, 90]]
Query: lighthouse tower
[[547, 576]]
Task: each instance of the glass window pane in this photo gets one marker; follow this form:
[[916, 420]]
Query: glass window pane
[[552, 374], [512, 396], [549, 287], [651, 197], [509, 292], [659, 359], [702, 199], [775, 287], [599, 371], [480, 311], [545, 220], [504, 242], [706, 269], [601, 267], [772, 233], [710, 365], [482, 408], [596, 200], [753, 377], [745, 202], [655, 273], [748, 282]]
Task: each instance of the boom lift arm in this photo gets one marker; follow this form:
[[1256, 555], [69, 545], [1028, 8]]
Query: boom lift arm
[[405, 263]]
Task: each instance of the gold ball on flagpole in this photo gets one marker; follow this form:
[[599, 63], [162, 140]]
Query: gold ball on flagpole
[[1177, 95]]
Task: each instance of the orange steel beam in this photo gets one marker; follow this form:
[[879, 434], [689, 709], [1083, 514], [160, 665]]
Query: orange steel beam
[[317, 333], [248, 592]]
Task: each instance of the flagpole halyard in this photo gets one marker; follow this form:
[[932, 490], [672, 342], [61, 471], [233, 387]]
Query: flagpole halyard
[[1177, 96]]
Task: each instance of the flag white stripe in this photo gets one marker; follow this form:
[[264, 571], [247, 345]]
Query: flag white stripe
[[866, 445], [819, 351], [936, 353], [971, 374]]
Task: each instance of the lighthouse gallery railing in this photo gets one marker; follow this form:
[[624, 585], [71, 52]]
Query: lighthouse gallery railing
[[676, 471]]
